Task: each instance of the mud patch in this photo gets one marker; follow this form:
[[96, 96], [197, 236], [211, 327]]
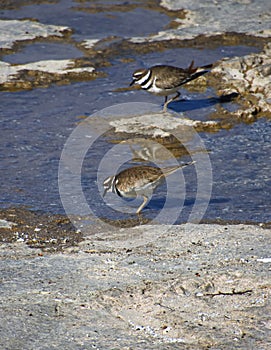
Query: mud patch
[[14, 4], [51, 233]]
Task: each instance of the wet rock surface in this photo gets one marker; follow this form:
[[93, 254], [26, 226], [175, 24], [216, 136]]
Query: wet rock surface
[[250, 78], [160, 125]]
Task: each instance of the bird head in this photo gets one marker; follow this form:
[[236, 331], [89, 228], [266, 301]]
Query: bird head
[[138, 75]]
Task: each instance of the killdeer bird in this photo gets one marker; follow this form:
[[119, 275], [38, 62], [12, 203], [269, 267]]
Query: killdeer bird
[[139, 180], [165, 80]]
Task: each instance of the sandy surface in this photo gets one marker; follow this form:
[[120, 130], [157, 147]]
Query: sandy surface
[[146, 287]]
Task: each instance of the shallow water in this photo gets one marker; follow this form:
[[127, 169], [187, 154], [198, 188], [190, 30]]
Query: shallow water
[[35, 124], [87, 25]]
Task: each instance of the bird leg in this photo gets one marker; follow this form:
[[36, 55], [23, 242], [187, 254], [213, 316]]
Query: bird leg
[[170, 100], [142, 205]]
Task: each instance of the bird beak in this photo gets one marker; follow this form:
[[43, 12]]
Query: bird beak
[[132, 82]]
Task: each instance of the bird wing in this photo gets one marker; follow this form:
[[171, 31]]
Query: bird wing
[[169, 77], [172, 77], [137, 178]]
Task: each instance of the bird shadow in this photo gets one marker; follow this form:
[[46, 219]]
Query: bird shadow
[[184, 105], [157, 203]]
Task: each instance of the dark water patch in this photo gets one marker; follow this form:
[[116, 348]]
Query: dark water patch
[[43, 51], [182, 57], [36, 124], [241, 164]]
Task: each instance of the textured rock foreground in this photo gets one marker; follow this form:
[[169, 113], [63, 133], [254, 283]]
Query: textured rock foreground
[[148, 287], [250, 78]]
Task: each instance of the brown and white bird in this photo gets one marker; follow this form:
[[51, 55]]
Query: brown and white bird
[[139, 180], [166, 80]]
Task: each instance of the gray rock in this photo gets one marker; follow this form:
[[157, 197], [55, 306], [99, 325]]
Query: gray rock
[[21, 30], [6, 224], [147, 287], [249, 76], [9, 73], [158, 124]]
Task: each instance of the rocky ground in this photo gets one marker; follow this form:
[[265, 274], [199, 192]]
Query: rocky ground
[[144, 287]]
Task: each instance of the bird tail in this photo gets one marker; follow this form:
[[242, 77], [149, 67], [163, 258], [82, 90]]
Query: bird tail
[[191, 69], [195, 72], [207, 66], [196, 75]]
